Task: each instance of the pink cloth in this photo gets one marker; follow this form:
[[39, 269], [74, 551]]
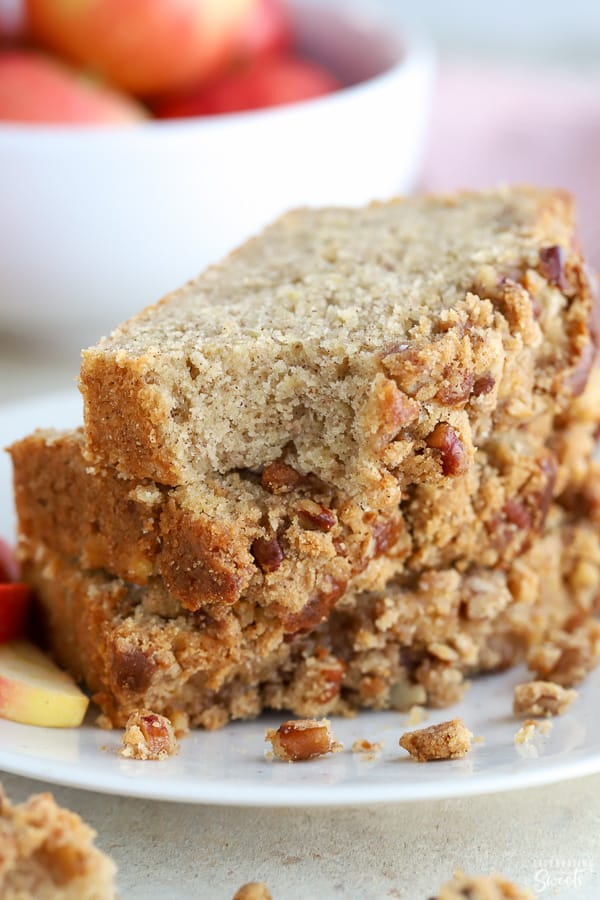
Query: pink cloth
[[495, 126]]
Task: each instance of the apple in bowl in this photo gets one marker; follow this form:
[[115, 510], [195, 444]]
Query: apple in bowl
[[143, 47]]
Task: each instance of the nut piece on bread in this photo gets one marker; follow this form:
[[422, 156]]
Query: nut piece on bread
[[448, 740]]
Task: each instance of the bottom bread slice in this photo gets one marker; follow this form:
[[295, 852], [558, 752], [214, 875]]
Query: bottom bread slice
[[414, 642]]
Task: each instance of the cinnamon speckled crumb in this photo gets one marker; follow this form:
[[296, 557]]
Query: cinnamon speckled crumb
[[481, 887], [542, 698], [448, 740], [49, 852]]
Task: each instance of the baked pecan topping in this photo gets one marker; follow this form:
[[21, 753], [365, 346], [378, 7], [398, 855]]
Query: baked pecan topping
[[552, 265], [456, 389], [279, 478], [396, 410], [484, 385], [268, 553], [317, 607], [385, 534], [314, 516], [517, 514], [330, 675], [452, 451], [132, 669]]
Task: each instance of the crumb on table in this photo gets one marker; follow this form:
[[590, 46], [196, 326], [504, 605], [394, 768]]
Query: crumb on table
[[301, 739], [542, 698], [448, 740], [148, 736], [481, 887], [254, 890]]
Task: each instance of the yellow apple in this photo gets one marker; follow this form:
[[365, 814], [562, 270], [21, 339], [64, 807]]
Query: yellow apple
[[34, 691]]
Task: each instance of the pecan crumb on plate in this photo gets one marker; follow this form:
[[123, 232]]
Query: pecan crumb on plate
[[148, 736], [448, 740], [301, 739], [542, 698]]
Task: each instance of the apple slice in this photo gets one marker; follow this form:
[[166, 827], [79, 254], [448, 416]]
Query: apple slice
[[36, 692]]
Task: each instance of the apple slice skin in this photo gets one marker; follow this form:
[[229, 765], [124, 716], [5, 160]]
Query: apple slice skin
[[34, 691], [14, 606]]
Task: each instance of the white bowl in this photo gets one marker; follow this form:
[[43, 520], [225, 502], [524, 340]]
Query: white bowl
[[95, 223]]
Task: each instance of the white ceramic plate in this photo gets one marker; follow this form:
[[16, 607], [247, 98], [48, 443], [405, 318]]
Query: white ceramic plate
[[229, 767]]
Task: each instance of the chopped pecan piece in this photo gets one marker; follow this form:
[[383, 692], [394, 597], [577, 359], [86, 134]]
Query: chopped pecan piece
[[302, 739], [279, 478], [132, 668], [313, 515], [317, 607], [484, 385], [456, 389], [448, 740], [385, 534], [395, 410], [542, 698], [148, 736], [552, 265], [452, 450], [268, 553]]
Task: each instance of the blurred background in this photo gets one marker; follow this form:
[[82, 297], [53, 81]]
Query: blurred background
[[512, 96]]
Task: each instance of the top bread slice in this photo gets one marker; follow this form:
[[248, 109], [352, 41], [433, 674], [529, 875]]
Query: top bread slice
[[373, 347]]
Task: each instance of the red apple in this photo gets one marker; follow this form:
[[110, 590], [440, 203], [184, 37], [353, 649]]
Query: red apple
[[14, 604], [267, 29], [35, 88], [271, 81], [9, 567], [142, 46]]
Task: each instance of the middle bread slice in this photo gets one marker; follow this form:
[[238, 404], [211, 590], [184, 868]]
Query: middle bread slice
[[288, 542]]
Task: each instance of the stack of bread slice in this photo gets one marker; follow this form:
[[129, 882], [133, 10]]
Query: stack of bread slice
[[350, 466]]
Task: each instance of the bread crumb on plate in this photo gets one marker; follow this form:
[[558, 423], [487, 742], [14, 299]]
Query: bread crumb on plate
[[148, 736], [448, 740]]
